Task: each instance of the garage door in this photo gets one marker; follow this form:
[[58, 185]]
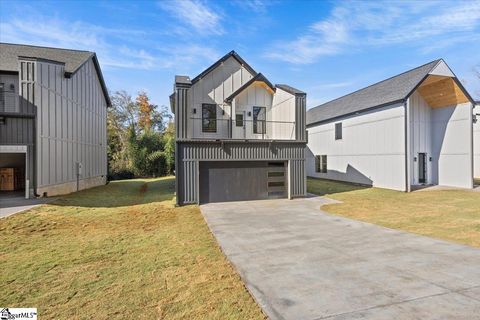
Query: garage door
[[237, 181]]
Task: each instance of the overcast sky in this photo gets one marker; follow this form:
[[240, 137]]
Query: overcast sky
[[325, 48]]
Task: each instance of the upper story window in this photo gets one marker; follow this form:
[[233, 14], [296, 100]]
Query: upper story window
[[2, 96], [259, 117], [321, 164], [338, 131], [209, 117]]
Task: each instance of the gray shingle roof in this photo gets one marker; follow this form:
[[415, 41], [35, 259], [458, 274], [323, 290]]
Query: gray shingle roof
[[9, 54], [289, 89], [382, 93], [73, 59]]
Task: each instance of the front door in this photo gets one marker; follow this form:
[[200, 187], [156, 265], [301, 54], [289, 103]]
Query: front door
[[422, 168]]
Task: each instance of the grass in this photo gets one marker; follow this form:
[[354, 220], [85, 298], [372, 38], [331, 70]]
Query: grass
[[452, 215], [121, 251]]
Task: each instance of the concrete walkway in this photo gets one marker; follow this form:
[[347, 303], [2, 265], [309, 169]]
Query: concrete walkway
[[11, 204], [301, 263]]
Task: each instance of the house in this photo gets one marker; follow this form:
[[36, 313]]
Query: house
[[476, 140], [53, 106], [409, 130], [238, 136]]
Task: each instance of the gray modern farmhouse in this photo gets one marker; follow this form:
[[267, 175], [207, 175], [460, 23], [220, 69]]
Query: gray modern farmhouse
[[413, 129], [52, 120], [239, 137]]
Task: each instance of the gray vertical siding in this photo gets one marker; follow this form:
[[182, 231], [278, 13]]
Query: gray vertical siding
[[189, 154], [19, 127], [71, 123], [297, 178], [300, 117], [181, 111]]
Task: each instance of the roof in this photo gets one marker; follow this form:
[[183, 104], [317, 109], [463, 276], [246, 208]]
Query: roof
[[258, 77], [389, 91], [220, 61], [289, 89], [73, 59]]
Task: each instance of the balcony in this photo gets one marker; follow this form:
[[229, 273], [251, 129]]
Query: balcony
[[8, 102], [218, 129]]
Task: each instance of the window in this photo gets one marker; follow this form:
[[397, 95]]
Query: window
[[259, 117], [338, 131], [239, 120], [321, 164], [2, 97], [209, 117]]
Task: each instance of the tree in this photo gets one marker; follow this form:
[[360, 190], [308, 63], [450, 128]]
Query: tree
[[146, 153], [145, 111], [120, 116], [169, 146]]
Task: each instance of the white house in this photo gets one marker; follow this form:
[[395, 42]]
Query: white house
[[409, 130], [476, 140]]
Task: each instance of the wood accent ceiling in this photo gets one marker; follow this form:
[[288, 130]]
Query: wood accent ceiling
[[440, 91], [263, 85]]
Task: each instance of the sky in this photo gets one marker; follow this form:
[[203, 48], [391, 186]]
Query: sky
[[325, 48]]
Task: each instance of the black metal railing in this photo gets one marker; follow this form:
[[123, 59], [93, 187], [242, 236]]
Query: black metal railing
[[246, 129]]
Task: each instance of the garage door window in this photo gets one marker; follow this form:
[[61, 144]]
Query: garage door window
[[209, 117]]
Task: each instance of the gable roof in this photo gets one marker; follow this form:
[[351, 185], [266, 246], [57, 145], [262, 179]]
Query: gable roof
[[389, 91], [232, 54], [73, 59], [258, 77]]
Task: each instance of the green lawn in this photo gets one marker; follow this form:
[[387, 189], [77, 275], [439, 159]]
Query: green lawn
[[120, 251], [447, 214]]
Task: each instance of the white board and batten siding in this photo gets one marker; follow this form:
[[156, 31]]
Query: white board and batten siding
[[214, 88], [444, 134], [371, 151], [71, 124], [476, 142]]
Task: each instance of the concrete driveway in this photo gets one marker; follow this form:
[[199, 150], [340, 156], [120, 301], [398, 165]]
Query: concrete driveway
[[11, 203], [301, 263]]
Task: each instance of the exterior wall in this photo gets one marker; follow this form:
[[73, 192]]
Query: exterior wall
[[371, 151], [476, 142], [19, 126], [283, 110], [254, 95], [214, 88], [71, 127], [452, 145], [189, 154], [421, 138]]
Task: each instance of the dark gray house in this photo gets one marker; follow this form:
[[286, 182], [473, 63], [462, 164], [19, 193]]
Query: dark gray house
[[52, 118], [239, 137]]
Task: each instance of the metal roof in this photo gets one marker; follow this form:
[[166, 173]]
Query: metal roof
[[391, 90], [73, 59]]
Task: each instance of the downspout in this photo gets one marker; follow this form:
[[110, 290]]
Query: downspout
[[34, 166]]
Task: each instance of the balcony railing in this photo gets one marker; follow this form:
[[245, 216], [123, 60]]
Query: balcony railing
[[244, 130], [8, 101]]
